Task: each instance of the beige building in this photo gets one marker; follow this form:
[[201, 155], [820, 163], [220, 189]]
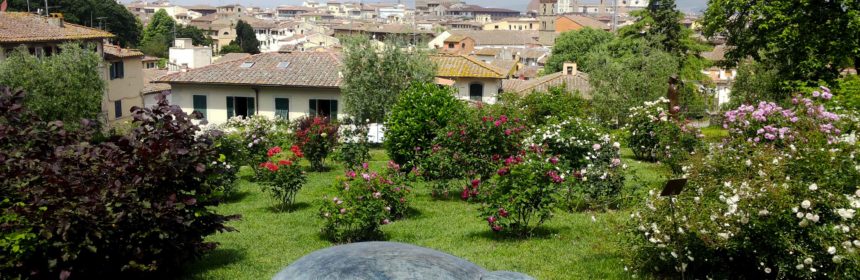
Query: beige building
[[473, 79], [514, 24], [288, 85], [570, 79], [124, 74]]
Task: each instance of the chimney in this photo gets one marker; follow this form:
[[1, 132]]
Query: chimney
[[58, 22], [569, 68]]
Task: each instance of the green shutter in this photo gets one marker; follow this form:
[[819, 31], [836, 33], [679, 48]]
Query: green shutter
[[112, 74], [251, 106], [200, 104], [120, 70], [313, 110], [333, 110], [282, 108], [230, 112]]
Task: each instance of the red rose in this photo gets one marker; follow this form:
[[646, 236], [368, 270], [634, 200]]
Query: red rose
[[285, 162], [274, 151]]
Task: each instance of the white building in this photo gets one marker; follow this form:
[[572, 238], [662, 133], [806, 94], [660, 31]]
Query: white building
[[184, 55]]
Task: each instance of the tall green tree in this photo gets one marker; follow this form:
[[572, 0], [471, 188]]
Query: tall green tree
[[374, 79], [805, 40], [198, 37], [107, 14], [160, 29], [574, 45], [66, 86], [665, 26], [247, 38]]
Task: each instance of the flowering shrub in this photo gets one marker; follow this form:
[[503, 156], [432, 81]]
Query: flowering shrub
[[589, 156], [74, 207], [358, 209], [780, 207], [396, 192], [316, 137], [353, 149], [244, 140], [281, 175], [656, 136], [523, 193]]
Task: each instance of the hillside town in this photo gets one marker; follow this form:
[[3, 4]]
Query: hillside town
[[429, 139]]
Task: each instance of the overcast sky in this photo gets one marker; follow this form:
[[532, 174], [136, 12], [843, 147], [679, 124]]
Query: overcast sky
[[683, 5]]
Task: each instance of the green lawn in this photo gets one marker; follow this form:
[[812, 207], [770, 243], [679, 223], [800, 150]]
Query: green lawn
[[570, 246]]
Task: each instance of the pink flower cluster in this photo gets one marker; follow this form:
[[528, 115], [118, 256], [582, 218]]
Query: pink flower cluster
[[769, 122]]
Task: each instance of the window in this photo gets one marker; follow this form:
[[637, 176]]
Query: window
[[283, 64], [117, 109], [463, 45], [570, 70], [200, 104], [476, 92], [282, 108], [323, 107], [117, 70], [240, 106], [450, 45], [247, 64]]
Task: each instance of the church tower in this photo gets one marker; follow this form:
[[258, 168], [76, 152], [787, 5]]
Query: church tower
[[546, 16]]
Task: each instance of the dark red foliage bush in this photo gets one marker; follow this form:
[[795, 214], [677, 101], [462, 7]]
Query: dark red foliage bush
[[79, 208]]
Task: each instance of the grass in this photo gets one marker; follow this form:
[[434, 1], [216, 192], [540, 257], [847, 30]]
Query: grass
[[569, 246]]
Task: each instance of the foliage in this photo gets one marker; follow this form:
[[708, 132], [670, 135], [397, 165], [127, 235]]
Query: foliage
[[523, 193], [131, 204], [316, 137], [159, 30], [156, 45], [781, 207], [246, 38], [807, 46], [358, 209], [198, 37], [572, 46], [112, 16], [375, 79], [625, 73], [394, 189], [473, 145], [231, 48], [354, 148], [756, 82], [281, 175], [848, 94], [414, 119], [656, 135], [538, 108], [245, 140], [666, 25], [67, 86], [591, 158]]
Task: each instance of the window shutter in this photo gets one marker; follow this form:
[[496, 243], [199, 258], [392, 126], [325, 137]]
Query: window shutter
[[251, 106], [313, 109], [112, 71], [334, 110], [121, 69], [230, 112], [282, 107], [117, 109], [200, 104]]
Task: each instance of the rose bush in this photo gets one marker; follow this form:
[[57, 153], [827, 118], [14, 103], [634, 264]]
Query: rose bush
[[654, 135], [244, 140], [354, 148], [281, 175], [358, 208], [523, 193], [316, 137], [779, 207], [590, 156]]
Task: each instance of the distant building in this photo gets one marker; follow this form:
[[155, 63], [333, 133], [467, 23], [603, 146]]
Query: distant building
[[567, 23], [570, 79], [547, 17], [125, 82], [722, 78], [184, 55], [505, 39], [514, 24], [473, 79], [289, 85]]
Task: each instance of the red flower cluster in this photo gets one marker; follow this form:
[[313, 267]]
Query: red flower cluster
[[269, 165], [296, 151], [274, 151], [473, 192]]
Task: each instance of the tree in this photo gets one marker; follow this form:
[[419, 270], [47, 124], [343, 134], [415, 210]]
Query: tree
[[805, 40], [574, 45], [374, 81], [755, 82], [665, 26], [247, 38], [109, 15], [197, 36], [66, 86], [159, 31], [156, 45], [231, 48], [625, 73]]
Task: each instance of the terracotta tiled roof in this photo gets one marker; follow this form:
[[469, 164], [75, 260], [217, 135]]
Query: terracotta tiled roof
[[533, 53], [18, 27], [455, 39], [461, 66], [114, 51], [149, 76], [499, 37], [508, 65], [572, 83], [150, 58], [717, 54], [488, 51], [231, 57], [528, 72], [511, 85], [587, 21], [305, 69]]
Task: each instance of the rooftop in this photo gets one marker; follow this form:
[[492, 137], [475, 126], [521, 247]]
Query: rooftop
[[17, 27], [461, 66], [114, 51], [303, 69], [572, 83], [499, 37]]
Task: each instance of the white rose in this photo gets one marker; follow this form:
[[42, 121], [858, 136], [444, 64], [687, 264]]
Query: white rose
[[813, 187], [806, 204], [831, 250]]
